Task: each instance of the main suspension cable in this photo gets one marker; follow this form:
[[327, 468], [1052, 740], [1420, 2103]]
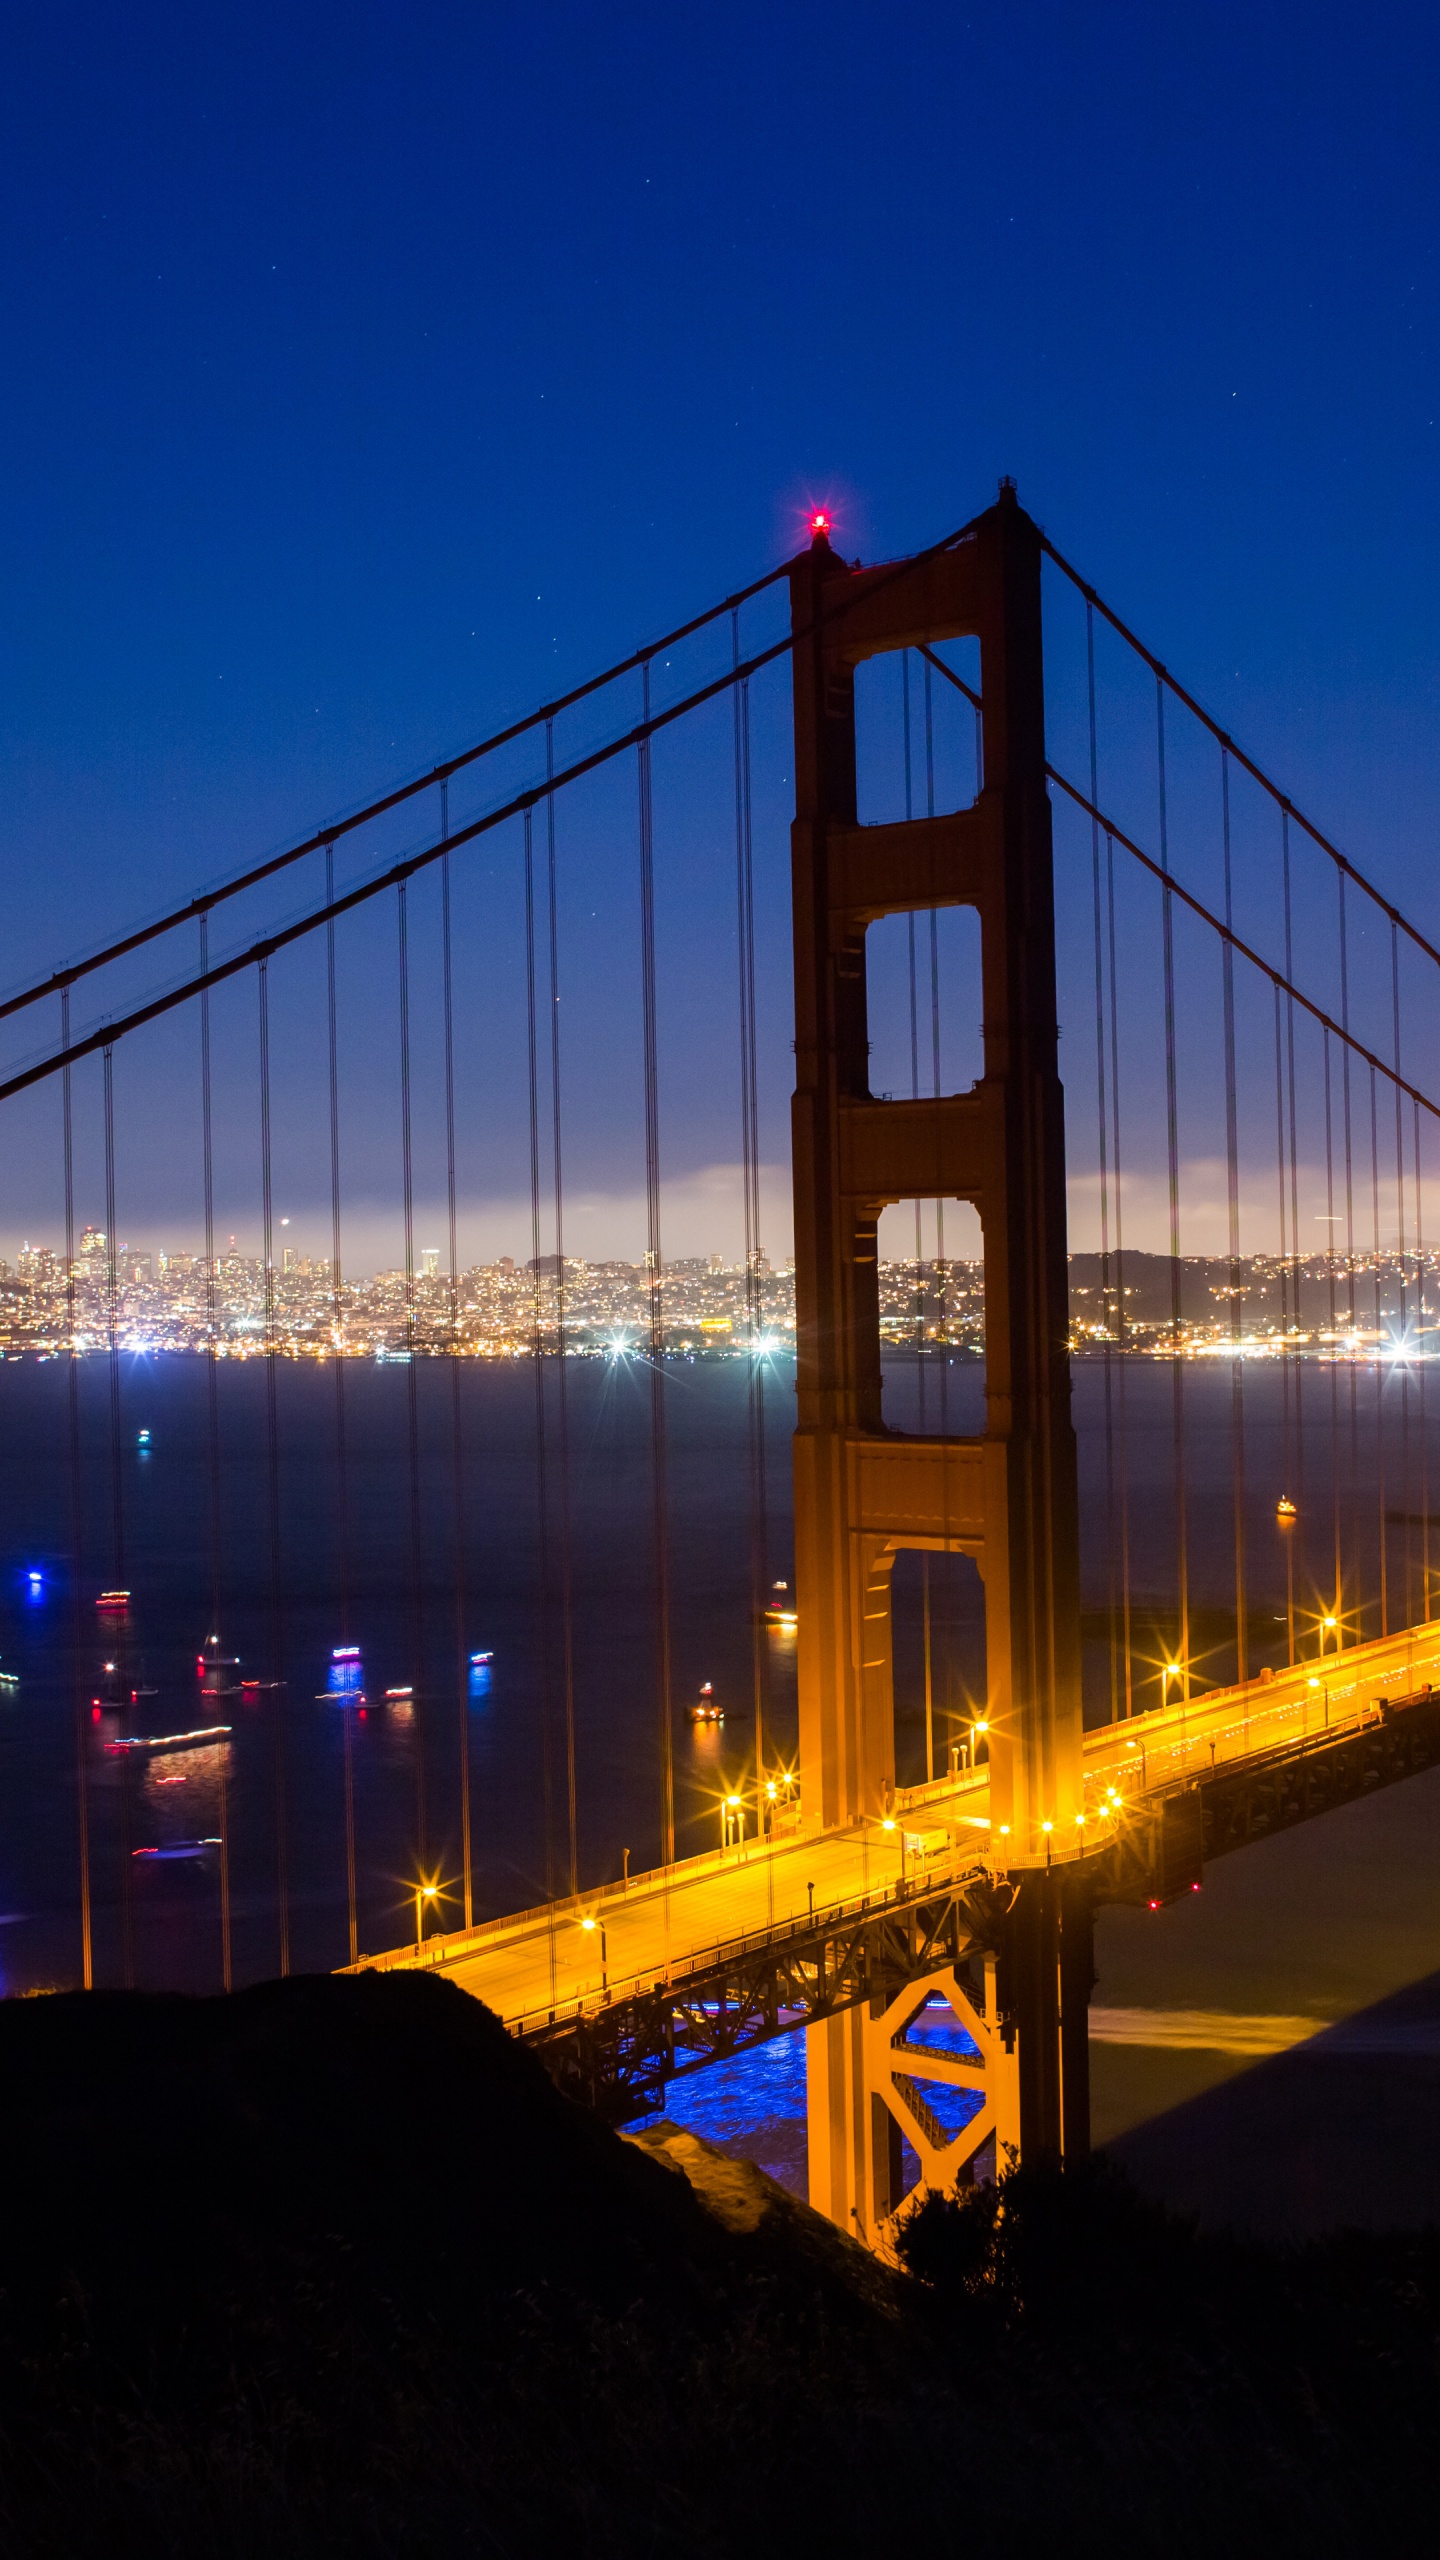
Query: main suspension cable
[[330, 834], [282, 937], [1222, 737]]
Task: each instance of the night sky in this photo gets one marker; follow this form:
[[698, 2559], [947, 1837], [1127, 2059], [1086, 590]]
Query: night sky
[[372, 372]]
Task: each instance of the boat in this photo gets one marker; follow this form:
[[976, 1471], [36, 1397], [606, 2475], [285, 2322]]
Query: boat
[[217, 1672], [198, 1739], [1285, 1508], [707, 1709], [781, 1612], [177, 1853]]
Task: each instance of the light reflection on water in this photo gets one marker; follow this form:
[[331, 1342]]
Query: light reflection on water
[[1321, 1952]]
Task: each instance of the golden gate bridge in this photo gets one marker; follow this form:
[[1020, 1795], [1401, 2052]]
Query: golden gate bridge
[[1009, 818]]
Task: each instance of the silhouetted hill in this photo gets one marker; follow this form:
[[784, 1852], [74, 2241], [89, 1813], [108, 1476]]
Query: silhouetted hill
[[330, 2268]]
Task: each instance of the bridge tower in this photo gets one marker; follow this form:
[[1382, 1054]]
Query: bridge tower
[[862, 1492]]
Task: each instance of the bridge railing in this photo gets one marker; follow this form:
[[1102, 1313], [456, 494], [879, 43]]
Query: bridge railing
[[702, 1962]]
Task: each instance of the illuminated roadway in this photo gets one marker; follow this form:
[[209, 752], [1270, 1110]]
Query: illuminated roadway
[[660, 1926]]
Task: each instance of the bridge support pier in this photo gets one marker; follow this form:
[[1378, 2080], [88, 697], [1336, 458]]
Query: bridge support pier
[[1022, 2058], [867, 2083]]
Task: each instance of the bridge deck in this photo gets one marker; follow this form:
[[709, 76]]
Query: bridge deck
[[537, 1964]]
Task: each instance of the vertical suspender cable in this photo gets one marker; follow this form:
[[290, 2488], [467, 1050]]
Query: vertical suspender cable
[[1408, 1542], [1232, 1185], [1172, 1134], [542, 1491], [1350, 1262], [272, 1456], [567, 1614], [1338, 1608], [342, 1472], [77, 1524], [1379, 1363], [212, 1385], [112, 1328], [1105, 1296], [1284, 1268], [1296, 1354], [655, 1275], [457, 1452], [750, 1184], [1420, 1344], [117, 1503], [412, 1387], [1119, 1279]]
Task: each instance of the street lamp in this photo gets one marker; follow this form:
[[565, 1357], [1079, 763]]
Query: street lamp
[[1170, 1672], [590, 1924], [1330, 1626], [732, 1819], [423, 1893]]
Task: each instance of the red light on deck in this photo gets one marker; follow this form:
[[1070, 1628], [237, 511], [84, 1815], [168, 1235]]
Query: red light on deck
[[1154, 1906]]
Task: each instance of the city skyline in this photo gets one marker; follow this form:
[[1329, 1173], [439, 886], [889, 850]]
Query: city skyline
[[1338, 1306]]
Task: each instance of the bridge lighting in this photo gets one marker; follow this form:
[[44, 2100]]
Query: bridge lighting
[[423, 1893], [820, 521]]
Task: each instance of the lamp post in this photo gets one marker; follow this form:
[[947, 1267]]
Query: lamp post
[[423, 1893], [590, 1924]]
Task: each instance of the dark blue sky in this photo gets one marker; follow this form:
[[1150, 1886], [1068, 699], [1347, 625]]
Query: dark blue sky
[[370, 371]]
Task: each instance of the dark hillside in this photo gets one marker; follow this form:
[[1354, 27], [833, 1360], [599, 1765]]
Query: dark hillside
[[329, 2268]]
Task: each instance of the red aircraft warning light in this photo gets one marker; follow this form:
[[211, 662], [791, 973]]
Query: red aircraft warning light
[[820, 521]]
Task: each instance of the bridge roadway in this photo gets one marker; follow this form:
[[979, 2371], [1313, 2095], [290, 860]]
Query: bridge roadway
[[536, 1965]]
